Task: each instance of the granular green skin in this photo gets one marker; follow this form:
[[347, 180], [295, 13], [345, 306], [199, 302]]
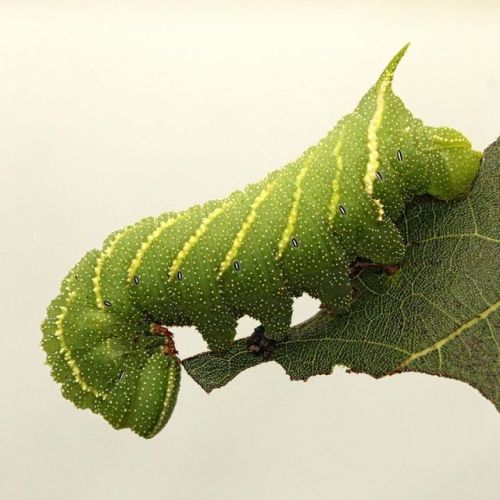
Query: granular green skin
[[295, 231]]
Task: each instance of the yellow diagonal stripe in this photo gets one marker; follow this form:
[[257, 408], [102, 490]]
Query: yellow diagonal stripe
[[136, 261], [380, 209], [65, 351], [373, 127], [294, 211], [245, 227], [336, 181], [99, 266], [195, 237]]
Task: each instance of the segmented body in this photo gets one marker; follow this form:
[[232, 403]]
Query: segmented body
[[296, 231]]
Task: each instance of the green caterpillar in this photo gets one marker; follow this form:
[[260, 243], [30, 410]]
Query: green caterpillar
[[298, 230]]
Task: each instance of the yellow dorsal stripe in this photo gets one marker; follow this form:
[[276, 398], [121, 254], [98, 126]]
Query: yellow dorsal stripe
[[336, 181], [294, 211], [136, 261], [99, 266], [64, 350], [191, 242], [373, 127], [245, 227]]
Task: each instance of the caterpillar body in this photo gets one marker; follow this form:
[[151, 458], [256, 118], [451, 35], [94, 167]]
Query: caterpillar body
[[296, 231]]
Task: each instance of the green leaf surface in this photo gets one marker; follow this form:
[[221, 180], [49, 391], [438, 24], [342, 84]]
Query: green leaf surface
[[438, 314]]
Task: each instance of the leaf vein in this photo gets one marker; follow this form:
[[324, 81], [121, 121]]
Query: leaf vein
[[455, 333]]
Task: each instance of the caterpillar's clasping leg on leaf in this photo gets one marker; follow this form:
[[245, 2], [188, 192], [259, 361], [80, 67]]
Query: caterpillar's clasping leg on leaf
[[259, 344], [360, 265], [170, 348]]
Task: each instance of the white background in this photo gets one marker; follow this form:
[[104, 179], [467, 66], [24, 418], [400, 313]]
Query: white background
[[112, 111]]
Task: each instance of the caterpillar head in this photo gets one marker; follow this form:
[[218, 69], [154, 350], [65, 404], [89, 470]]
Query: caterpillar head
[[446, 151], [454, 162]]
